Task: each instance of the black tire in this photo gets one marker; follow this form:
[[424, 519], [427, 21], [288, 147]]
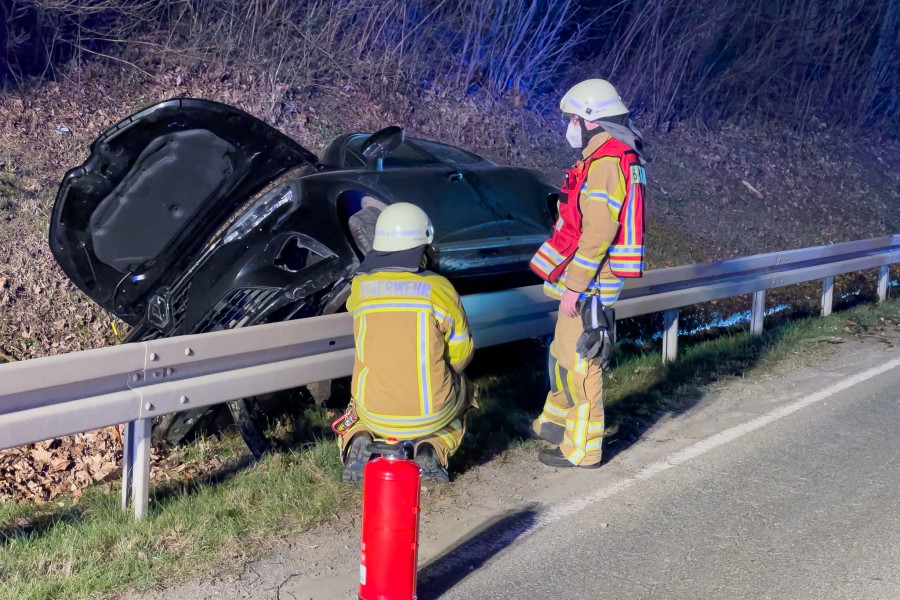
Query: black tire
[[256, 441], [173, 429], [362, 228]]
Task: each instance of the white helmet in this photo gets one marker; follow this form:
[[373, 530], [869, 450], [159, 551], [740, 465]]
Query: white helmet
[[593, 99], [402, 226]]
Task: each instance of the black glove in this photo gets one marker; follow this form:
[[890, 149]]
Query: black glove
[[597, 340]]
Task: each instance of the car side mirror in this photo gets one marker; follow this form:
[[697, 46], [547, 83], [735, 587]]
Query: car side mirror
[[380, 144]]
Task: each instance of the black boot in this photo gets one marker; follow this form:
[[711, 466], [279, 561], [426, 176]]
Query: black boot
[[357, 457], [555, 458], [432, 469]]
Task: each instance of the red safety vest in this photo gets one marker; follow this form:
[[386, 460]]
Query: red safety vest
[[626, 254]]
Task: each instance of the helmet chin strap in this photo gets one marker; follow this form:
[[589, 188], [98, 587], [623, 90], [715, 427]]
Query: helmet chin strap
[[586, 134]]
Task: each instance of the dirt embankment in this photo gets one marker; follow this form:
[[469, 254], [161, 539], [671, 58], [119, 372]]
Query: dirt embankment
[[713, 195]]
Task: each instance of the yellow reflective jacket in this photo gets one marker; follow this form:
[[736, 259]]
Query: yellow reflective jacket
[[412, 339]]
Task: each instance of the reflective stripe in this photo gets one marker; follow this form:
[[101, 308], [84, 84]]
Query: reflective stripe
[[401, 433], [424, 363], [408, 427], [442, 314], [448, 439], [580, 364], [553, 374], [581, 426], [604, 197], [361, 386], [551, 252], [360, 340], [575, 456], [626, 259], [552, 409], [391, 307], [608, 289], [629, 216], [395, 306], [552, 290], [596, 195], [608, 284], [452, 434], [455, 336], [445, 414], [626, 255], [578, 426], [545, 267], [586, 262]]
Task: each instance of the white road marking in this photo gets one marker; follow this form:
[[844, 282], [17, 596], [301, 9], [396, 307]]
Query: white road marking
[[562, 511], [475, 552]]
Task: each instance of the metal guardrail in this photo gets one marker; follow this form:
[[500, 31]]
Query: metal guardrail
[[133, 383]]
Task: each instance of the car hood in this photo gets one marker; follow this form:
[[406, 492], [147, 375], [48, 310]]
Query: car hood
[[156, 187]]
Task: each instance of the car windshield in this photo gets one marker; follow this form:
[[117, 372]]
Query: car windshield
[[415, 153]]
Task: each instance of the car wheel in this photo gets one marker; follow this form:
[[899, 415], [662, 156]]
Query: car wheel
[[362, 228], [174, 429], [243, 418]]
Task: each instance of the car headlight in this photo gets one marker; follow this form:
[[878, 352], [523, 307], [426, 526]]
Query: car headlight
[[259, 212]]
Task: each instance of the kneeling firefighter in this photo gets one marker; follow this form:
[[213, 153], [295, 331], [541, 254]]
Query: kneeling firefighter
[[412, 344]]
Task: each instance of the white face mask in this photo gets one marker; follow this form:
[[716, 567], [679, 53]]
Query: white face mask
[[573, 135]]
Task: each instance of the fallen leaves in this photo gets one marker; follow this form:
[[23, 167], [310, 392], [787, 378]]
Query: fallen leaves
[[39, 473]]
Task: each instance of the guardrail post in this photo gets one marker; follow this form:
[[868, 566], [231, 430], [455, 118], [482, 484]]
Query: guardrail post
[[136, 467], [670, 336], [883, 272], [827, 295], [127, 462], [758, 313]]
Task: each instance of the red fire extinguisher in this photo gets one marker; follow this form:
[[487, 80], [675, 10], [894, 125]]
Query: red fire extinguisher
[[390, 529]]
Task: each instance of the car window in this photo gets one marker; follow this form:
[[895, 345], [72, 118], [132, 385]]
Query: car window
[[402, 156], [412, 154], [353, 158], [448, 154]]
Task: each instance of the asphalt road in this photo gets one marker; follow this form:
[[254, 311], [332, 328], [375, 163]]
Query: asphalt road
[[805, 507]]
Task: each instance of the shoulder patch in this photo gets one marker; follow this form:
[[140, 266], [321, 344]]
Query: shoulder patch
[[638, 174]]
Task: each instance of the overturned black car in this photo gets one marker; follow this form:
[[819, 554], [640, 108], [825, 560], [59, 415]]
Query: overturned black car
[[193, 216]]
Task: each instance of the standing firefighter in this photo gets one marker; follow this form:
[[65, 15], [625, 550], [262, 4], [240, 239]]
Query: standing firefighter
[[597, 241], [412, 344]]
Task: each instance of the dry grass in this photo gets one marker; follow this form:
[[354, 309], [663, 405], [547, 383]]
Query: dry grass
[[797, 63], [709, 60]]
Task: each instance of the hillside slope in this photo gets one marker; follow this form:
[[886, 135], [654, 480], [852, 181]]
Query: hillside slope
[[713, 195]]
